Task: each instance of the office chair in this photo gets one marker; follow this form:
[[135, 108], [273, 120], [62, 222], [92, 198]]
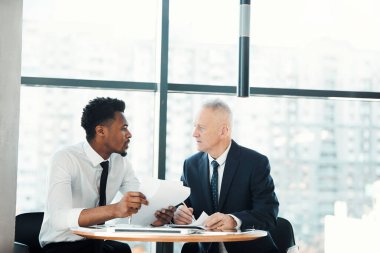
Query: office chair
[[28, 226], [283, 236]]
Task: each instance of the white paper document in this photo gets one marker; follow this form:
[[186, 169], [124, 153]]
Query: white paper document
[[160, 194], [201, 219], [197, 224]]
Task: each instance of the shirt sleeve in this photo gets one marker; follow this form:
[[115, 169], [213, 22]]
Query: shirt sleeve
[[130, 181], [60, 201], [237, 220]]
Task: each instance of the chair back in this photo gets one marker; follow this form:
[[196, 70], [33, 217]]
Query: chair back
[[283, 235], [28, 226]]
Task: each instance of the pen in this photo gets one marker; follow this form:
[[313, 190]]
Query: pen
[[192, 217]]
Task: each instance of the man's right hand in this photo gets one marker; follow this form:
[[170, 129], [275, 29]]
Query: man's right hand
[[183, 215], [130, 204]]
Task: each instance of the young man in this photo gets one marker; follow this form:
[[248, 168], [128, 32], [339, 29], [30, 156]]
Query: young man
[[84, 179], [229, 182]]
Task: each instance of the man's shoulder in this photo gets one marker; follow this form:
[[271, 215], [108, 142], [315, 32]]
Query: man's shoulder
[[252, 152], [69, 151], [246, 152]]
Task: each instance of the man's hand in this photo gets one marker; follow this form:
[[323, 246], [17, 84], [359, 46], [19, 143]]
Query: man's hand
[[220, 221], [164, 216], [183, 215], [130, 204]]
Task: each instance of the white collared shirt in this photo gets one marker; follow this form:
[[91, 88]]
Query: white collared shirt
[[73, 185], [222, 164]]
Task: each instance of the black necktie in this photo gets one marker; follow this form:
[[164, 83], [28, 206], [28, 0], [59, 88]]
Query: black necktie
[[214, 185], [103, 183]]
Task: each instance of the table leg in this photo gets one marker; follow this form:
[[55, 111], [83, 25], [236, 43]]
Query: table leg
[[164, 247]]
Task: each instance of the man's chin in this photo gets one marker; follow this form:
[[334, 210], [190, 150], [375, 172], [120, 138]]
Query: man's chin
[[123, 154]]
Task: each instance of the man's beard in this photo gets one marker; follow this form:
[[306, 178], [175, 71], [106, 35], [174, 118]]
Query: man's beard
[[123, 154]]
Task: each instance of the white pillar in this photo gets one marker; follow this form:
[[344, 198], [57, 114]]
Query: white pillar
[[10, 76]]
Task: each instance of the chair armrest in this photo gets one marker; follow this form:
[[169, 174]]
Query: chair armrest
[[20, 248]]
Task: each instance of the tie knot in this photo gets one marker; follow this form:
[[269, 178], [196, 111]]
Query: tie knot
[[104, 164], [214, 165]]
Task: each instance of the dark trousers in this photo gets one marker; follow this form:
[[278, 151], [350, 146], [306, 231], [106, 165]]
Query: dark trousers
[[87, 246]]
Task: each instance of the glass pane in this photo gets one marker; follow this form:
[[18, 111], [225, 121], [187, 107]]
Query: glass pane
[[324, 154], [87, 39], [203, 42], [294, 44], [50, 119]]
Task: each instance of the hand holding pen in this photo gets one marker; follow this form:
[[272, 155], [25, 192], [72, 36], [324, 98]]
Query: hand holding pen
[[184, 215]]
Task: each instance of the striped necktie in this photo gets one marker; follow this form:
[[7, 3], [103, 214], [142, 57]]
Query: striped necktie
[[214, 185]]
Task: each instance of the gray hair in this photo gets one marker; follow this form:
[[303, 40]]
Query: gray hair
[[219, 105]]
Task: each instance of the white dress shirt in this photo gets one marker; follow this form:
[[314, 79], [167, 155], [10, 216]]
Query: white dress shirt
[[222, 163], [73, 185]]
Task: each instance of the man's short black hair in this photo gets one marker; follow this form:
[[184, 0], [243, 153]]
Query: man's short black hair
[[98, 111]]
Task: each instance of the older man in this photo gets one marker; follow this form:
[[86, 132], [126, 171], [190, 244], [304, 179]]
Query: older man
[[229, 182]]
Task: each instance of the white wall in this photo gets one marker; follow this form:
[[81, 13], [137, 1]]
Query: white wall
[[10, 74]]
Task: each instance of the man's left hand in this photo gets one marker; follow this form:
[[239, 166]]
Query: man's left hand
[[164, 216], [220, 222]]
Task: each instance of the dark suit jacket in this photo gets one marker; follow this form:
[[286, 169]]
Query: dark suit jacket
[[247, 191]]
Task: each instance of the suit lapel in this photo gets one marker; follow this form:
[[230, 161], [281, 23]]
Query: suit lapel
[[230, 169], [205, 183]]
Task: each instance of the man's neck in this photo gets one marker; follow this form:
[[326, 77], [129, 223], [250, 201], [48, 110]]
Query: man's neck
[[99, 148], [220, 150]]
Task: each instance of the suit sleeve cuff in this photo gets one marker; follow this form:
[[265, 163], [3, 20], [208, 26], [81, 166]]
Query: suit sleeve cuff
[[237, 220]]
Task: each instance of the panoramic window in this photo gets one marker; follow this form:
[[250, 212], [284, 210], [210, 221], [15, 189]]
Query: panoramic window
[[324, 153]]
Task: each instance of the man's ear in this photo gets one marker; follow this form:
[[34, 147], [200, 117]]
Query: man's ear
[[225, 130], [100, 130]]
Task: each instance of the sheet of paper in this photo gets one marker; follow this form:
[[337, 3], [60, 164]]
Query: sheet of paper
[[201, 219], [160, 194], [197, 224]]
